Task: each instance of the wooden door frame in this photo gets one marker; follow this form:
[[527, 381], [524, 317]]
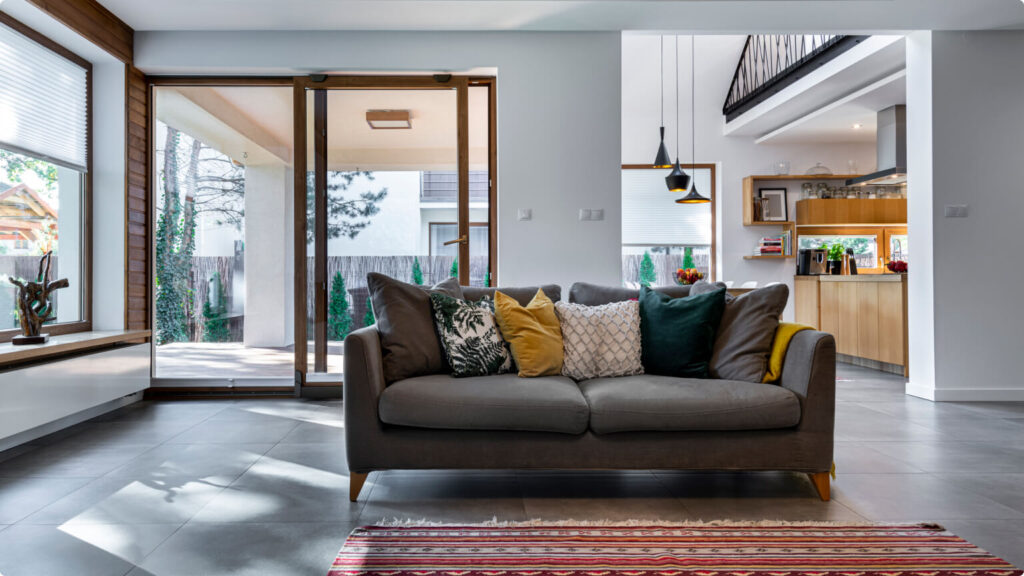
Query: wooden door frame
[[301, 84]]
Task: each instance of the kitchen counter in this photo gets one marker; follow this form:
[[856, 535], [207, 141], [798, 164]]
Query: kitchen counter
[[866, 313]]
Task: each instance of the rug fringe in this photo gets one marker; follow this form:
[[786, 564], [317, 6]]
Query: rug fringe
[[495, 523]]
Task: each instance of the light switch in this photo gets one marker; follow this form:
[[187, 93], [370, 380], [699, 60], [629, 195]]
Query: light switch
[[584, 214], [597, 214], [524, 214], [956, 211]]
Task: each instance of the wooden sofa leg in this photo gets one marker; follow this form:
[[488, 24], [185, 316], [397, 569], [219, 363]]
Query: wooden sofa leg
[[355, 484], [821, 484]]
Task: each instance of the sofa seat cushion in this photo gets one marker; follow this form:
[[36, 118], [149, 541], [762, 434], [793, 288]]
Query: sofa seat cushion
[[669, 404], [498, 402]]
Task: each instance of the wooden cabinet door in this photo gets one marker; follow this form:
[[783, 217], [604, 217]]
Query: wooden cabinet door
[[891, 328], [829, 309], [847, 338], [867, 319], [806, 300]]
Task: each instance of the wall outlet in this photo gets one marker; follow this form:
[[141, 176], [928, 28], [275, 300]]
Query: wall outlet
[[524, 214], [956, 211]]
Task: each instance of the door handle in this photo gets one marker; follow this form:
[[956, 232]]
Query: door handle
[[459, 240]]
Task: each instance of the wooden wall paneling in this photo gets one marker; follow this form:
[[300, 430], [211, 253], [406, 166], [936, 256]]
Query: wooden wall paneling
[[138, 216], [95, 23]]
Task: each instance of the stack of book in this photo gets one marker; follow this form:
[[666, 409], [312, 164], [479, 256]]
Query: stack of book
[[775, 245]]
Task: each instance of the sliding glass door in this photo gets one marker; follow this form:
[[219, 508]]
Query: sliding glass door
[[222, 247], [399, 175]]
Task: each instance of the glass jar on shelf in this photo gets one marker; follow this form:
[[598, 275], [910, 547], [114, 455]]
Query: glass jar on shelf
[[808, 191], [823, 190]]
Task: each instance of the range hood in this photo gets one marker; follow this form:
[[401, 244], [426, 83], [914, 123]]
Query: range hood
[[891, 149]]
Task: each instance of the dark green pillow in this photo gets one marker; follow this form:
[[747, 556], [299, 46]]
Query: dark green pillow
[[678, 334]]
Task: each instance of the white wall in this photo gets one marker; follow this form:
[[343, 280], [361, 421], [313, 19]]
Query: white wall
[[559, 137], [108, 197], [977, 123], [716, 59]]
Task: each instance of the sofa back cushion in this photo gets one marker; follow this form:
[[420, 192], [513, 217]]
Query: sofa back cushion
[[523, 294], [596, 295], [744, 339], [405, 321], [600, 341], [678, 334], [533, 333]]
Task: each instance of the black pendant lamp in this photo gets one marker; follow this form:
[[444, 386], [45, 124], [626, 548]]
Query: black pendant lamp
[[693, 197], [662, 159], [677, 181]]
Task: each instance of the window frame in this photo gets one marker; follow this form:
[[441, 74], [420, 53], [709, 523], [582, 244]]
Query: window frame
[[713, 195], [85, 323]]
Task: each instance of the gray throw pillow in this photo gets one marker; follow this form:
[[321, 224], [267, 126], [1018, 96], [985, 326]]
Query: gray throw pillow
[[405, 321], [743, 342]]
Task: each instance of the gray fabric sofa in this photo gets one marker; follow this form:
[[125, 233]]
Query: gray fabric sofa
[[633, 422]]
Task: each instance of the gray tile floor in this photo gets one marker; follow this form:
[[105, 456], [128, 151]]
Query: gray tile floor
[[260, 486]]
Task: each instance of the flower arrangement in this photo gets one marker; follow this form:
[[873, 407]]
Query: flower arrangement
[[897, 266], [688, 276]]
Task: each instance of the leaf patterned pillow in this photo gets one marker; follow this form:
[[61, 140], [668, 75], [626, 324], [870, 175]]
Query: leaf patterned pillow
[[470, 336]]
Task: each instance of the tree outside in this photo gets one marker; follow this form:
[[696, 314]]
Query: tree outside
[[648, 275], [454, 272], [417, 272], [688, 262], [215, 315], [339, 317], [369, 319]]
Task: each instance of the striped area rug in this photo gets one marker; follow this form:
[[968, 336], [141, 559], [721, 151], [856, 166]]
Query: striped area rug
[[713, 549]]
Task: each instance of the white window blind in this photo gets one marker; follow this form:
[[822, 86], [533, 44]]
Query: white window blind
[[650, 216], [42, 102]]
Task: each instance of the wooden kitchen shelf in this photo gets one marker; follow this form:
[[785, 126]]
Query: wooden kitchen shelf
[[749, 190]]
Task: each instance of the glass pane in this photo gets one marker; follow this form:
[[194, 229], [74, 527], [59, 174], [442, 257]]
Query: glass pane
[[310, 232], [657, 265], [479, 186], [898, 248], [388, 189], [865, 247], [223, 239], [40, 211]]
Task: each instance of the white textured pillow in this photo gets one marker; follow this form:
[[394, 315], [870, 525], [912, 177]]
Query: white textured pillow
[[600, 341]]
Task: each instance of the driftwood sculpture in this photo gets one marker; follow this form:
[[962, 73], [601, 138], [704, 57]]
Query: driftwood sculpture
[[34, 306]]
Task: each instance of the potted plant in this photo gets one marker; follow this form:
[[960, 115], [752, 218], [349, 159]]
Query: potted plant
[[835, 258], [686, 276]]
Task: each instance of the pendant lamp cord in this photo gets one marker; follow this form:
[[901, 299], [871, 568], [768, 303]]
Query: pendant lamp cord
[[677, 99], [693, 106], [661, 55]]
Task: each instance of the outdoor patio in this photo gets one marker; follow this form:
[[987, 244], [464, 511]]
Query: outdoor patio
[[233, 360]]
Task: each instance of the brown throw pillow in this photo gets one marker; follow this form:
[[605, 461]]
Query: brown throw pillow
[[405, 321], [744, 339]]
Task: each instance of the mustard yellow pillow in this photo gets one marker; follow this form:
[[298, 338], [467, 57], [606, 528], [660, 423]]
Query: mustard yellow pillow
[[780, 345], [532, 332]]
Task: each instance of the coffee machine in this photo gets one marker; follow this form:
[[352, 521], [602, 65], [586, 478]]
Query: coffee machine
[[812, 262]]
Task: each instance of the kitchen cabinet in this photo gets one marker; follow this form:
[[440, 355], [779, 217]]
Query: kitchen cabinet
[[867, 315]]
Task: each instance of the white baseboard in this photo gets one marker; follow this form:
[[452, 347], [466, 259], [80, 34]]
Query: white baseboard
[[966, 394]]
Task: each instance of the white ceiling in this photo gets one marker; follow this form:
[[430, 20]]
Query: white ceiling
[[712, 16]]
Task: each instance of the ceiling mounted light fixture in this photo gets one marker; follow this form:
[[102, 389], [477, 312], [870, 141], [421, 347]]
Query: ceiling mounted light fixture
[[388, 119], [693, 197], [677, 180], [662, 159]]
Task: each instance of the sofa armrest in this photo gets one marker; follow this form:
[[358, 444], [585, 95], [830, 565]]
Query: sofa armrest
[[364, 383], [810, 372]]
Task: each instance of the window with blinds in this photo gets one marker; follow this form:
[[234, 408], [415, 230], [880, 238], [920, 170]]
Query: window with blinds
[[650, 216], [43, 102]]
